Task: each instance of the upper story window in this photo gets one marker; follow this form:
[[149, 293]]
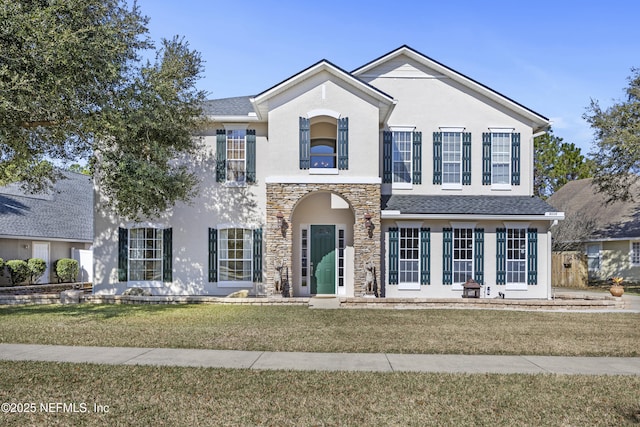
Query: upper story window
[[501, 158], [324, 143], [452, 158], [402, 149], [402, 157], [236, 155]]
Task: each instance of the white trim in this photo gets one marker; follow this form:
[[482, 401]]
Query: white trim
[[501, 187], [455, 224], [406, 286], [145, 283], [323, 112], [402, 128], [516, 225], [453, 186], [323, 171], [516, 287], [392, 214], [631, 263], [146, 224], [44, 238], [402, 186], [234, 119], [453, 129], [501, 130], [322, 179]]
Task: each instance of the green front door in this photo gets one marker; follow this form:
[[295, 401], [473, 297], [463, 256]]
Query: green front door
[[323, 259]]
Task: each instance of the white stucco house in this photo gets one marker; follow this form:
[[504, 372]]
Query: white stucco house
[[403, 164]]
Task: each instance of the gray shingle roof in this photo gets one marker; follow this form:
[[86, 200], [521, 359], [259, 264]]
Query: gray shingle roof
[[472, 205], [64, 213], [237, 106], [618, 220]]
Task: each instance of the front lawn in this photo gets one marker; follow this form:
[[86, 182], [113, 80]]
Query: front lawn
[[302, 329], [146, 395]]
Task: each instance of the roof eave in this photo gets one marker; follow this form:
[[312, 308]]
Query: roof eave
[[547, 216]]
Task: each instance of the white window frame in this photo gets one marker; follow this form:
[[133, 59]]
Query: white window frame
[[413, 285], [457, 285], [509, 271], [506, 133], [232, 130], [158, 231], [599, 246], [634, 254], [397, 131], [445, 133], [234, 283]]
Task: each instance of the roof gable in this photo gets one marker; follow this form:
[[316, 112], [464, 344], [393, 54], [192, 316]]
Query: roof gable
[[392, 63], [261, 101]]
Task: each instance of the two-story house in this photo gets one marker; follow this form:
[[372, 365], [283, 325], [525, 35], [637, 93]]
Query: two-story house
[[403, 168]]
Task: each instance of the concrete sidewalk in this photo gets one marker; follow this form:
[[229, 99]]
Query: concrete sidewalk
[[323, 361]]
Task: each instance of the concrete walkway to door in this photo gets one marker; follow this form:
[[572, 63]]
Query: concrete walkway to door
[[382, 362]]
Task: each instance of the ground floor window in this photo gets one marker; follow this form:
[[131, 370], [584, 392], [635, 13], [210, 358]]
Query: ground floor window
[[235, 255], [516, 255], [593, 257], [409, 256], [635, 254], [145, 254], [462, 254]]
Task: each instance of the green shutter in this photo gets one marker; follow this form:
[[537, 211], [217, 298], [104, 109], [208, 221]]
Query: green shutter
[[167, 255], [387, 159], [123, 254], [425, 256], [478, 255], [466, 158], [213, 255], [515, 159], [393, 256], [251, 155], [257, 255], [532, 258], [305, 143], [437, 158], [417, 157], [501, 256], [343, 143], [221, 155], [447, 256], [486, 158]]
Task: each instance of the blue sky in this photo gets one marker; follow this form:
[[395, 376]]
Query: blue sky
[[551, 56]]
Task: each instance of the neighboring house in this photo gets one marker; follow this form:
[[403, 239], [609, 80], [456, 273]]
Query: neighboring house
[[612, 243], [52, 225], [403, 164]]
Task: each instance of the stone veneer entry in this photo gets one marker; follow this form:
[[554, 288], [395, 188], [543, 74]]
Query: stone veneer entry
[[362, 198]]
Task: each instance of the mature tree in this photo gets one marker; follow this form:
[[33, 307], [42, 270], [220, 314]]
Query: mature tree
[[617, 142], [557, 163], [73, 85]]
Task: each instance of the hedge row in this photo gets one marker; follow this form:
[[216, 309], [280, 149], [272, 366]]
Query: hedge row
[[66, 270]]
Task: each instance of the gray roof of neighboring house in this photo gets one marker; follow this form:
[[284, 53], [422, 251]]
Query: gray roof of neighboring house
[[619, 220], [471, 205], [236, 106], [64, 213]]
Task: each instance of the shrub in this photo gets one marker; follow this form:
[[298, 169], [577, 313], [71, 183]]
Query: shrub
[[18, 271], [67, 269], [1, 267], [37, 267]]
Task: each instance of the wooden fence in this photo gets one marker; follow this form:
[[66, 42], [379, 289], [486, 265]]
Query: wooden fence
[[569, 270]]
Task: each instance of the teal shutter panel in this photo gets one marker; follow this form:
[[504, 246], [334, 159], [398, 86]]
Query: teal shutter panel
[[221, 155], [447, 256], [478, 255], [257, 255], [532, 258], [466, 158], [393, 256], [343, 143], [437, 158], [417, 157], [486, 158], [515, 159], [167, 255], [251, 155], [123, 254], [387, 159], [305, 143], [501, 256], [425, 256], [213, 255]]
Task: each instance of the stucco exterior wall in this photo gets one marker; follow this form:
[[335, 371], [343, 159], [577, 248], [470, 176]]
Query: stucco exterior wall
[[616, 261]]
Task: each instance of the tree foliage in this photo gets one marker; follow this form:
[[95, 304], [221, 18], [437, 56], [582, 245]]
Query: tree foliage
[[617, 142], [73, 85], [556, 163]]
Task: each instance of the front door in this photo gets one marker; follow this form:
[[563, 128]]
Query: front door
[[323, 259], [41, 250]]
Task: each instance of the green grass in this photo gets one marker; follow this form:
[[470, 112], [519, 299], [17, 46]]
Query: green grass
[[301, 329], [144, 395]]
